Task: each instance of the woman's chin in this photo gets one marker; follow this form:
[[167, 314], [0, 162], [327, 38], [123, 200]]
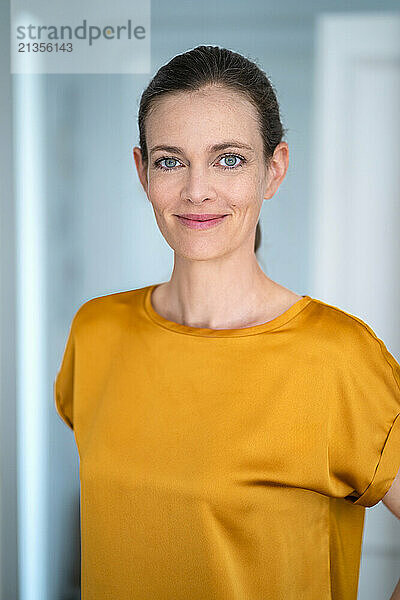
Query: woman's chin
[[201, 252]]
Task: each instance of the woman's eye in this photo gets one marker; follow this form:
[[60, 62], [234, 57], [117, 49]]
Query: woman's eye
[[169, 163], [230, 161]]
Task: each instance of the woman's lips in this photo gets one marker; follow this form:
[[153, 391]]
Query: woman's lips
[[203, 224]]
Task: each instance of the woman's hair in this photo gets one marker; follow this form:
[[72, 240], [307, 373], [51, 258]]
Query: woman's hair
[[207, 65]]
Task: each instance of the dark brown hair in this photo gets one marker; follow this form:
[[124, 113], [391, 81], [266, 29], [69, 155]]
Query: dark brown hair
[[205, 65]]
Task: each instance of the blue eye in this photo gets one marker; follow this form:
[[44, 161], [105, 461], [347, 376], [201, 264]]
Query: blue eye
[[168, 166], [230, 161]]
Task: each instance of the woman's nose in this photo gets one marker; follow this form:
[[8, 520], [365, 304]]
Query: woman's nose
[[198, 185]]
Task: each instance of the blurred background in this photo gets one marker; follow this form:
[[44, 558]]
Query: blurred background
[[75, 224]]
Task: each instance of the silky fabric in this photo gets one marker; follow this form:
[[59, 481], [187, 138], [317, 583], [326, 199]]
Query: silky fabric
[[226, 464]]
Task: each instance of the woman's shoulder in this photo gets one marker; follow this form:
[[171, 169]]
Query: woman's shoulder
[[108, 309], [327, 318], [351, 335], [331, 315]]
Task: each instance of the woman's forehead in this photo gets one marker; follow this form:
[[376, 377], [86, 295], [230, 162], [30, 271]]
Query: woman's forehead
[[230, 99], [181, 117]]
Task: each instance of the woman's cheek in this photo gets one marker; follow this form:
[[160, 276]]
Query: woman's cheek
[[160, 193]]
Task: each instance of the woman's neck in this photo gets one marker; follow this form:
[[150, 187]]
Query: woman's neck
[[198, 296]]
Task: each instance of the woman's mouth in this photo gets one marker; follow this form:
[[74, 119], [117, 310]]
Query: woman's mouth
[[200, 221]]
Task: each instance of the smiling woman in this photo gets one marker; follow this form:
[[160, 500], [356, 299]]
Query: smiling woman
[[239, 81], [231, 432]]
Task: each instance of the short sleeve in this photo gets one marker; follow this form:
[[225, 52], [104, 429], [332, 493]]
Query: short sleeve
[[364, 429], [64, 382]]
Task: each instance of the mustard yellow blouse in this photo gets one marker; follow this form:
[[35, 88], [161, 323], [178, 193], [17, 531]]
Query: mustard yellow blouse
[[230, 464]]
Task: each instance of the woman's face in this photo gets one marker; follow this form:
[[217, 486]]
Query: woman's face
[[187, 174]]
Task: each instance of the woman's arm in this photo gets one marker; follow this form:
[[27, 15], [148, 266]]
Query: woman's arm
[[392, 497], [392, 501], [396, 593]]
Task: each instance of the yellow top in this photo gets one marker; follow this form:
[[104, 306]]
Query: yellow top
[[226, 464]]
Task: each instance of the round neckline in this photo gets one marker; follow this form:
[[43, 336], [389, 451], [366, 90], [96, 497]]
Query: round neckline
[[278, 321]]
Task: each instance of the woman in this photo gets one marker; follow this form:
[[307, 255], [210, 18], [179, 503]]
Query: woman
[[230, 431]]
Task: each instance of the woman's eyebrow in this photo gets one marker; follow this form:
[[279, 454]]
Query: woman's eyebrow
[[213, 148]]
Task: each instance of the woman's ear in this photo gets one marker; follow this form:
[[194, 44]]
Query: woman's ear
[[277, 169], [141, 167]]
